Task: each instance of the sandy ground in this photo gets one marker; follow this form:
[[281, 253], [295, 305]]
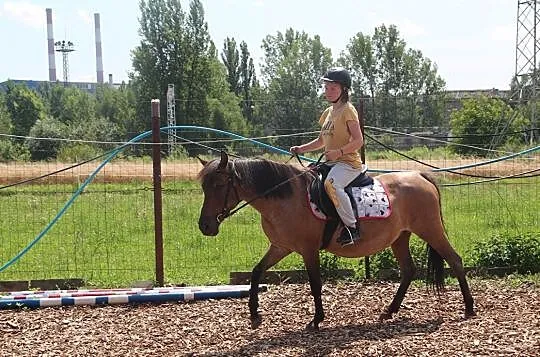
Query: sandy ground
[[508, 324], [139, 171]]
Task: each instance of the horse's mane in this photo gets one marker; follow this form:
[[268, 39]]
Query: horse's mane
[[262, 175]]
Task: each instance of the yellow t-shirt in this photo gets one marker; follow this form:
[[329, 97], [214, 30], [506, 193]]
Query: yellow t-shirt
[[335, 133]]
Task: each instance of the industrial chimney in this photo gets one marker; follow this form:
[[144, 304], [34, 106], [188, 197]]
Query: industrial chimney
[[50, 45], [99, 54]]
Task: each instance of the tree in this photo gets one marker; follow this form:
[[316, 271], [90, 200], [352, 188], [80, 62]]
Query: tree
[[117, 107], [294, 63], [5, 119], [240, 74], [404, 87], [248, 80], [175, 49], [476, 123], [231, 60], [51, 129], [24, 107]]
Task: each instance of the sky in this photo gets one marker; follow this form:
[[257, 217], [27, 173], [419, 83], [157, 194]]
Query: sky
[[472, 42]]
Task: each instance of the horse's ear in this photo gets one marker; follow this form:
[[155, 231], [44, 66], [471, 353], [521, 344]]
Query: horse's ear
[[224, 160], [203, 162]]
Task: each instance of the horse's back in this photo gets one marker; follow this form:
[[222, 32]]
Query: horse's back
[[414, 196]]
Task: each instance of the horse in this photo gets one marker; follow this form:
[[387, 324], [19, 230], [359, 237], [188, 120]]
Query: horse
[[278, 192]]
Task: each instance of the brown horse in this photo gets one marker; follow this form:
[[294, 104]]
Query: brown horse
[[278, 192]]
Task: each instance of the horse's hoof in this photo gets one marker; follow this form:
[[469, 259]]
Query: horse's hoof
[[385, 316], [256, 321], [312, 326], [470, 314]]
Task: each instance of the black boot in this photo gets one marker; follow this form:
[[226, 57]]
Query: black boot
[[348, 236]]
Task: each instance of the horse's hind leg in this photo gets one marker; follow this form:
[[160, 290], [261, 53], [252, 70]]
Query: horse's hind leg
[[453, 259], [401, 251], [271, 258]]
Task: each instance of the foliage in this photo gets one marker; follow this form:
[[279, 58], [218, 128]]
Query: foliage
[[294, 62], [117, 106], [6, 126], [385, 259], [175, 49], [76, 152], [51, 129], [503, 250], [25, 108], [480, 120], [10, 151], [231, 60], [384, 69]]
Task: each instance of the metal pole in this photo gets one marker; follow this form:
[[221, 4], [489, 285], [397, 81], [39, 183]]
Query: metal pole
[[158, 214]]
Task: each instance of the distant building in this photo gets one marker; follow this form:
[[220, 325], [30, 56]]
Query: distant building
[[454, 98], [35, 85]]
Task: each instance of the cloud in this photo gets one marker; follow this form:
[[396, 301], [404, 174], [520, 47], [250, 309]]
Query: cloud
[[29, 14], [86, 16]]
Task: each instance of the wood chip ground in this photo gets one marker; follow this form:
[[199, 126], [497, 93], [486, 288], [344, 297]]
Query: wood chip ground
[[508, 324]]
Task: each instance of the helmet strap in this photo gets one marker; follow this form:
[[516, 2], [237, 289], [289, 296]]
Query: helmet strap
[[340, 96]]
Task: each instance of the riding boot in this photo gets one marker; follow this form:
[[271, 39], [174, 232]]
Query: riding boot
[[348, 236]]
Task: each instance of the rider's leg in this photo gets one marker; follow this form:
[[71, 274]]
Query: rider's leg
[[338, 178]]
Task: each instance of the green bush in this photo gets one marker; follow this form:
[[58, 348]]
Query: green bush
[[13, 152], [75, 152], [521, 252]]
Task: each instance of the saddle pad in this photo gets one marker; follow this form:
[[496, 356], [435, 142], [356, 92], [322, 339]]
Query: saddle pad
[[371, 202]]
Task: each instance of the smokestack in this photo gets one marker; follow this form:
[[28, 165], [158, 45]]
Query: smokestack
[[110, 79], [50, 45], [99, 54]]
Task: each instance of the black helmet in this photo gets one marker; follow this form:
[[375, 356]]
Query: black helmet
[[339, 75]]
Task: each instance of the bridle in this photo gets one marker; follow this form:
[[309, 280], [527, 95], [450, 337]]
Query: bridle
[[225, 211]]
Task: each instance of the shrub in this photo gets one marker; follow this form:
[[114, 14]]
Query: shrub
[[75, 152], [520, 251], [10, 151]]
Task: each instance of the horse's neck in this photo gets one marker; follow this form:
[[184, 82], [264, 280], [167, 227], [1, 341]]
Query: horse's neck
[[271, 207]]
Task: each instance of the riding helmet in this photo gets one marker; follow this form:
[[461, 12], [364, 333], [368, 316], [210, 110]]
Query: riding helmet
[[339, 75]]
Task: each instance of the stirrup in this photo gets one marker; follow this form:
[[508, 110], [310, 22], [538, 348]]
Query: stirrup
[[347, 236]]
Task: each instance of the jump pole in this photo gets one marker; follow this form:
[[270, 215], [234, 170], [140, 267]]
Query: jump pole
[[37, 299]]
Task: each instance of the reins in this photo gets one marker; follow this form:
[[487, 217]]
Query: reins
[[227, 213]]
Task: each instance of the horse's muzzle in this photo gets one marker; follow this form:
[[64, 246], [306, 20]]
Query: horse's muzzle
[[209, 226]]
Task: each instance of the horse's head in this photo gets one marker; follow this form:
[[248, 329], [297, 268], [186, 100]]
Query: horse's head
[[220, 194]]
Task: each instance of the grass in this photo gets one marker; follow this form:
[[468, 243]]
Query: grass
[[107, 236]]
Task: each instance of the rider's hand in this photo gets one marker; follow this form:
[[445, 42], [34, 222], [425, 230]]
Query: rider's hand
[[295, 150], [332, 155]]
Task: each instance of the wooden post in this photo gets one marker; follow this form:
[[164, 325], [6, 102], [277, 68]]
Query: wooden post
[[367, 268], [158, 213]]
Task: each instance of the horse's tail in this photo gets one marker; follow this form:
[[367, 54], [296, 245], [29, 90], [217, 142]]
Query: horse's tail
[[435, 263], [435, 270]]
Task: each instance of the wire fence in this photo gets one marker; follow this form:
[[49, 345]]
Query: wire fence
[[106, 237]]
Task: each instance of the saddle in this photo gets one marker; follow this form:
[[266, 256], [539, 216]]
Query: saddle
[[319, 198]]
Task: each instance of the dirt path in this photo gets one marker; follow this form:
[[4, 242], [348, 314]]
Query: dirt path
[[508, 324], [142, 171]]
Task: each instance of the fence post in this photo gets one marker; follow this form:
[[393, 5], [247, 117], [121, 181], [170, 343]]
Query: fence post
[[158, 214], [367, 268]]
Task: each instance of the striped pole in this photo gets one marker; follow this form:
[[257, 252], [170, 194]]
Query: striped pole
[[99, 53], [50, 45], [37, 299]]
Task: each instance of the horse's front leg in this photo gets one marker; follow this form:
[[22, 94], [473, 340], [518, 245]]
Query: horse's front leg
[[271, 258], [312, 263]]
